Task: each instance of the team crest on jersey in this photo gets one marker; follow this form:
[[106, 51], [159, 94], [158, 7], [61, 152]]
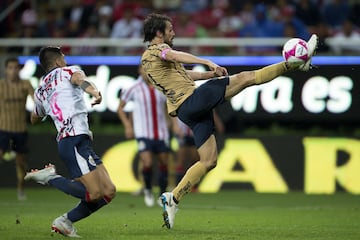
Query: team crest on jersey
[[92, 161]]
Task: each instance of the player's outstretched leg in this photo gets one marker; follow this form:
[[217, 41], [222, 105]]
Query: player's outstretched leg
[[169, 209], [42, 176]]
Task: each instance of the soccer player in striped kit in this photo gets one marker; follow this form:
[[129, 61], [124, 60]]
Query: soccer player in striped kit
[[60, 96], [13, 129], [149, 126], [165, 69]]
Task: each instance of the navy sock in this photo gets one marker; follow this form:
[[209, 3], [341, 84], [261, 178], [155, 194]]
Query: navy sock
[[84, 209], [163, 178], [71, 187], [147, 175]]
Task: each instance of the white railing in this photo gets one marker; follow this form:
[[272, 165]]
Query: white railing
[[193, 43]]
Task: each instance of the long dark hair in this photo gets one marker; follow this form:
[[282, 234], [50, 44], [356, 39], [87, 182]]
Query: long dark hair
[[154, 22]]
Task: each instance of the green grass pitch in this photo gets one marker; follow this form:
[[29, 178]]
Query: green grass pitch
[[225, 215]]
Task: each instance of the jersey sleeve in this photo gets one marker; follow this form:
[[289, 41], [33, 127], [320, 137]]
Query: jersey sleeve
[[70, 70], [162, 50]]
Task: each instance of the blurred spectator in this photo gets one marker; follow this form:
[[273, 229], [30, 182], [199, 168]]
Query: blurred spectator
[[209, 18], [121, 7], [200, 18], [48, 25], [185, 26], [90, 32], [166, 5], [78, 14], [190, 6], [261, 25], [105, 21], [127, 27], [347, 32], [230, 24], [247, 13], [288, 17], [28, 29], [336, 12], [323, 31], [73, 29], [308, 13]]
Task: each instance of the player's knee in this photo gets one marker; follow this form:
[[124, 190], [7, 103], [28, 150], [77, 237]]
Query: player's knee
[[212, 165], [246, 78], [111, 192], [95, 196]]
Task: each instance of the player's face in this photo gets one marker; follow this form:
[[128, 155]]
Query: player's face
[[12, 71], [169, 34]]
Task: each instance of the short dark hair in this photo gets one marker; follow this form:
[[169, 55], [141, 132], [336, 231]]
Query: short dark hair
[[154, 22], [11, 59], [48, 55]]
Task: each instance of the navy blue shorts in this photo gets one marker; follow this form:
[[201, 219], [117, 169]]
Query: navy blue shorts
[[13, 141], [78, 155], [154, 146], [196, 111]]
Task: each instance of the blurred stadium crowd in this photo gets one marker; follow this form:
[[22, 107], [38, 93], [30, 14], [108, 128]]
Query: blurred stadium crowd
[[192, 19]]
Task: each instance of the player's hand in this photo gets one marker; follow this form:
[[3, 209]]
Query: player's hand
[[220, 71], [97, 99]]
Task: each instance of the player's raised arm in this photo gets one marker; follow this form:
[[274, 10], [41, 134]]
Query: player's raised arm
[[169, 54], [195, 75], [79, 78]]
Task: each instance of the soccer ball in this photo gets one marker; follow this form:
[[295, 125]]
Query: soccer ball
[[295, 50]]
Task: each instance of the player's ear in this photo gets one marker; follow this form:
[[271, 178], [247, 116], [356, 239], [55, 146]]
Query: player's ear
[[159, 34], [58, 62]]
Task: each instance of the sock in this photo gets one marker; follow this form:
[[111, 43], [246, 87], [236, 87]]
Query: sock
[[71, 187], [147, 175], [270, 72], [191, 177], [163, 177], [84, 209]]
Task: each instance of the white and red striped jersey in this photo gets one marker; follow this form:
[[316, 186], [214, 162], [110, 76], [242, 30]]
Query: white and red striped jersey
[[63, 101], [149, 113]]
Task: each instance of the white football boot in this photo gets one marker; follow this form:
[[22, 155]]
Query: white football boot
[[170, 208], [312, 46], [42, 176], [63, 226], [149, 198]]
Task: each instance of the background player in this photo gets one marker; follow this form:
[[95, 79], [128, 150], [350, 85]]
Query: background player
[[13, 124], [150, 128], [164, 67], [60, 96]]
